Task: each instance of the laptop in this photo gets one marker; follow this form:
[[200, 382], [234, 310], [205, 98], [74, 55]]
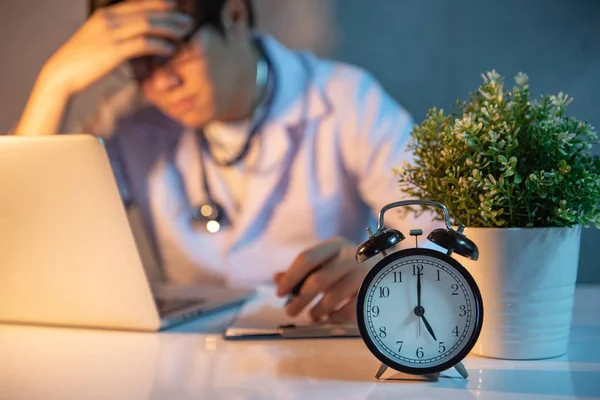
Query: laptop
[[70, 252]]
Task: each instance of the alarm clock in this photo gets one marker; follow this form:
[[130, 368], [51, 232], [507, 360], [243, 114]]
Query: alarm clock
[[419, 310]]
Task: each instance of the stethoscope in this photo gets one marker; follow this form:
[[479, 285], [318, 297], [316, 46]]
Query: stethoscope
[[210, 214]]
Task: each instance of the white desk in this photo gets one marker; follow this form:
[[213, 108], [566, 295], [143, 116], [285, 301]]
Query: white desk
[[46, 363]]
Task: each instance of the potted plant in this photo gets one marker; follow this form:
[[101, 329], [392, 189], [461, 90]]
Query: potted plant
[[518, 174]]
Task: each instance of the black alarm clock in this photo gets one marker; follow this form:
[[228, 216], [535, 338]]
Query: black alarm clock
[[419, 310]]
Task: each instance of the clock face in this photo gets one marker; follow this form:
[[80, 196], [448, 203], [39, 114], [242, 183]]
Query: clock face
[[419, 336]]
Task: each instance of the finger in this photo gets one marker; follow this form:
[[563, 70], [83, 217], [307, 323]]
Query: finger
[[317, 283], [345, 314], [132, 7], [146, 46], [172, 26], [277, 277], [337, 294], [306, 262]]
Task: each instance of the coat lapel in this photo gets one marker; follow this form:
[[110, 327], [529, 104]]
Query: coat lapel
[[297, 102]]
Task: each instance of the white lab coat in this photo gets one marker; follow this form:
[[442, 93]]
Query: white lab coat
[[326, 158]]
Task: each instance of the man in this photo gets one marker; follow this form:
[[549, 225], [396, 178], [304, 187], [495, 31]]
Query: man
[[249, 162]]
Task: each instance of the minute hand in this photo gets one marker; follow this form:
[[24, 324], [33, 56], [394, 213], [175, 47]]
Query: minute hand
[[418, 289]]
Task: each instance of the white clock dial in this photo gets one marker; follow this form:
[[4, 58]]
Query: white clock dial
[[392, 318]]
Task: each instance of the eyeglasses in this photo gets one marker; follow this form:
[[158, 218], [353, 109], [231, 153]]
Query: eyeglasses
[[142, 68]]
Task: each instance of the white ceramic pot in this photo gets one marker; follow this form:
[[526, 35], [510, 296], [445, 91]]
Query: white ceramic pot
[[527, 281]]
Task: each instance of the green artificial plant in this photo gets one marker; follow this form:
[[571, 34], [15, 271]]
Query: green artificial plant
[[504, 160]]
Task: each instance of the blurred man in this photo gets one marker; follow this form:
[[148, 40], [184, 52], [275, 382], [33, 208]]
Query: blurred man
[[250, 162]]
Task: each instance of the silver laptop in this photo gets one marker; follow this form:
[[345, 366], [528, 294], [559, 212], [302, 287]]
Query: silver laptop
[[71, 254]]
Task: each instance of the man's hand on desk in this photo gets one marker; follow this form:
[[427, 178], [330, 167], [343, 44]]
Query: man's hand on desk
[[332, 270]]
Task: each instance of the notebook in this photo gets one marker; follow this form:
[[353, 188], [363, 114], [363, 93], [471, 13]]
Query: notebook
[[264, 317]]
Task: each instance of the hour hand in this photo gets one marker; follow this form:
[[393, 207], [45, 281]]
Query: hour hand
[[428, 327]]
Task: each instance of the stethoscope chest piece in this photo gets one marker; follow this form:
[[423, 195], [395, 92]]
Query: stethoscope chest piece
[[210, 216]]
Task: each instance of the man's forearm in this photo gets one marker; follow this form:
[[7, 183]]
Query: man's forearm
[[46, 109]]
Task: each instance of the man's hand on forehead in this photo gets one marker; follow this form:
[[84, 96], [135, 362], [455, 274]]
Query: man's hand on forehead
[[118, 33]]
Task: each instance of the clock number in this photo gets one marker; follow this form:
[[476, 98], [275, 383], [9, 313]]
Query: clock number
[[420, 353], [442, 348], [382, 332], [455, 331], [384, 292], [375, 311], [418, 268], [454, 289], [438, 273], [397, 276], [463, 311], [400, 342]]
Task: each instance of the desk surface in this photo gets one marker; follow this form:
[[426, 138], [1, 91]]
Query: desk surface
[[48, 363]]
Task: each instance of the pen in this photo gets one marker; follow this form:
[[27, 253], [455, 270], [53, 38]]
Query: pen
[[296, 289]]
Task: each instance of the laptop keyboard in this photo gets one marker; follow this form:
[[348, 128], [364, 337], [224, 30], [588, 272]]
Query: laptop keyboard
[[168, 306]]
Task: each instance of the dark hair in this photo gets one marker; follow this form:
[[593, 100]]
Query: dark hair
[[206, 12]]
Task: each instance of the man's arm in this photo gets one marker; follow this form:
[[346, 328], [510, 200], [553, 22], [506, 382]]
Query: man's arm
[[110, 37], [372, 138], [45, 111]]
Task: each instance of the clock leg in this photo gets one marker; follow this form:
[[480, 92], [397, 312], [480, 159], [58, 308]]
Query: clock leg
[[380, 371], [433, 377], [461, 370], [402, 376]]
